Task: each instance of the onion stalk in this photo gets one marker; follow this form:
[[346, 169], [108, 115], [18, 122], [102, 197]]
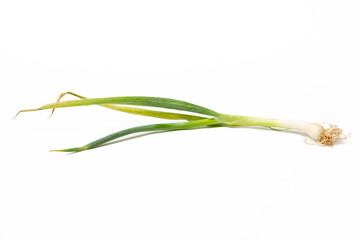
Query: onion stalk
[[209, 118]]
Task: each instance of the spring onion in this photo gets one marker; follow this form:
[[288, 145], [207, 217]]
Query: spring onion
[[209, 118]]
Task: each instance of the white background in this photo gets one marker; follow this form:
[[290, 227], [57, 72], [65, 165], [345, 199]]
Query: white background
[[283, 59]]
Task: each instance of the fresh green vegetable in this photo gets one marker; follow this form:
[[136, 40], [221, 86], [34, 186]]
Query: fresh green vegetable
[[210, 118]]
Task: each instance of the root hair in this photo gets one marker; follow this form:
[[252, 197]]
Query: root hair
[[330, 135]]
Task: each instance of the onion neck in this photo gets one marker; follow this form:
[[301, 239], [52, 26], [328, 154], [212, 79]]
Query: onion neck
[[314, 130]]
